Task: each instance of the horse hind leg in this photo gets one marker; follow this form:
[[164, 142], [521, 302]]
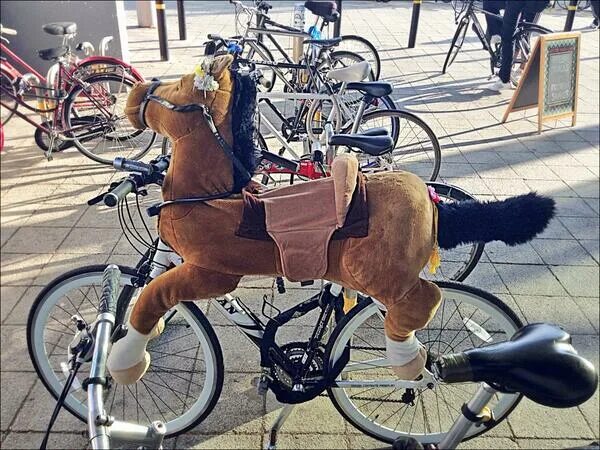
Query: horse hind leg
[[128, 360]]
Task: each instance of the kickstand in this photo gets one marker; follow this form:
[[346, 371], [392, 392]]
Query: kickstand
[[283, 415]]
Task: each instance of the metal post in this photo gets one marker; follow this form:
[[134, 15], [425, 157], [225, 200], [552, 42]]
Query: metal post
[[162, 30], [572, 9], [414, 23], [181, 19], [338, 24]]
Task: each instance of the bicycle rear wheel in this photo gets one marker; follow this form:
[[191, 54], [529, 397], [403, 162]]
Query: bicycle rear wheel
[[108, 133], [467, 318], [183, 382], [524, 39], [6, 81], [459, 262], [363, 48], [457, 42], [416, 148]]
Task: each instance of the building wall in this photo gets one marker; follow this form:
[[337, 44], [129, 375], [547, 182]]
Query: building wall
[[95, 19]]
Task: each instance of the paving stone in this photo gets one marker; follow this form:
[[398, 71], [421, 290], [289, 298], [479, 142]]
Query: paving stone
[[312, 441], [583, 282], [90, 241], [21, 269], [573, 207], [59, 441], [552, 443], [485, 276], [524, 279], [582, 227], [562, 311], [14, 387], [590, 307], [20, 313], [316, 416], [61, 263], [48, 215], [239, 409], [226, 440], [562, 252], [550, 423], [9, 297], [35, 240], [523, 254], [591, 245], [14, 355], [239, 353]]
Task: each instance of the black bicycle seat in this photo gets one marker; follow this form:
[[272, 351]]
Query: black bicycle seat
[[375, 89], [327, 10], [50, 54], [373, 145], [324, 43], [60, 28], [538, 361]]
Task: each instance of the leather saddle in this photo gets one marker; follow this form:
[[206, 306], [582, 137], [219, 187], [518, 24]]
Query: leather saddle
[[303, 218], [538, 361]]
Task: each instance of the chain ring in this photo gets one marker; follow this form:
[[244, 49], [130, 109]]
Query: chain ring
[[294, 351]]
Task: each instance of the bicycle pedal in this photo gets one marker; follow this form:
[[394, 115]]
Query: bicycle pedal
[[49, 158]]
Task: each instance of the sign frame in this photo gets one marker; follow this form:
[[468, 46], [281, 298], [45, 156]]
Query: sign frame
[[540, 53]]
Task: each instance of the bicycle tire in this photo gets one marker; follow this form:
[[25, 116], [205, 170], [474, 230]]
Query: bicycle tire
[[522, 42], [195, 320], [165, 146], [457, 42], [365, 309], [397, 128], [6, 81], [137, 152], [474, 250], [372, 55]]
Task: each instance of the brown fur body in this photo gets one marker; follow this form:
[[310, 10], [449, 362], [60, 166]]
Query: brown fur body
[[385, 264]]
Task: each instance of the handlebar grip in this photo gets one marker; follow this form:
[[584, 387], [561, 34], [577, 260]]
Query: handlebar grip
[[117, 194], [129, 165], [162, 163], [110, 289]]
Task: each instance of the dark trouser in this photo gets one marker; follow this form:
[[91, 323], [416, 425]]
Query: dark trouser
[[494, 24], [596, 10], [509, 24]]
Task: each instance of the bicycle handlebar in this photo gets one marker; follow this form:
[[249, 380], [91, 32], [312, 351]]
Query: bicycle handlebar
[[119, 192], [110, 289]]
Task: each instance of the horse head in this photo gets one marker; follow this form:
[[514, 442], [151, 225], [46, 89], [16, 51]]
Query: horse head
[[183, 111]]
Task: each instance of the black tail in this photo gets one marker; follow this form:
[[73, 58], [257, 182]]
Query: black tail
[[513, 221]]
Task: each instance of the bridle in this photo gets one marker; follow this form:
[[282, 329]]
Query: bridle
[[192, 107]]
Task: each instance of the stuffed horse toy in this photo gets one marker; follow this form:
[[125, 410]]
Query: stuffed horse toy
[[208, 116]]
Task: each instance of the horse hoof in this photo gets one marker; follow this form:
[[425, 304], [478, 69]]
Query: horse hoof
[[414, 368], [132, 374]]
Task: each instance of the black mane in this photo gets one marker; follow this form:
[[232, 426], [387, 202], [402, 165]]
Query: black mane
[[243, 126]]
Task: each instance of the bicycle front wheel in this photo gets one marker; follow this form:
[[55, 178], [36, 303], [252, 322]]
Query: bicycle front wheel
[[416, 148], [364, 48], [467, 318], [101, 130], [183, 382], [457, 42]]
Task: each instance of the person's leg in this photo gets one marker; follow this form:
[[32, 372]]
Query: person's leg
[[596, 12], [494, 24], [509, 24]]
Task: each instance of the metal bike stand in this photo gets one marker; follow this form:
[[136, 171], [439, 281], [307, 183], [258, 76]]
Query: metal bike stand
[[283, 415]]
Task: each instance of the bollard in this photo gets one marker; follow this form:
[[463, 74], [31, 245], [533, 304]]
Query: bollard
[[414, 23], [181, 20], [162, 30], [338, 24], [572, 9]]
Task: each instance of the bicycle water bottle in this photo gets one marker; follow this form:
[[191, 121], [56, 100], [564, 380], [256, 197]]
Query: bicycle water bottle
[[297, 47]]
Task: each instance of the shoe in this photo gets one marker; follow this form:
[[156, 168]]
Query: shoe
[[593, 26], [495, 41], [496, 84]]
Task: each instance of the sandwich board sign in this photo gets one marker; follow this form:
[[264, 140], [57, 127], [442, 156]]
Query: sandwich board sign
[[550, 79]]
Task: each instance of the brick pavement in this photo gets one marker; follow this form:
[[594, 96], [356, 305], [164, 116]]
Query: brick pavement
[[48, 229]]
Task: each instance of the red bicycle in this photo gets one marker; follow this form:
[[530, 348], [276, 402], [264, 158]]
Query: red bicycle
[[80, 101]]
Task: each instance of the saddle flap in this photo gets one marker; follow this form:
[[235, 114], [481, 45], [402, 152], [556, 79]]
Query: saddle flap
[[344, 171]]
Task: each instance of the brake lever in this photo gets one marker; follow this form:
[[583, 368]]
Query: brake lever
[[96, 200]]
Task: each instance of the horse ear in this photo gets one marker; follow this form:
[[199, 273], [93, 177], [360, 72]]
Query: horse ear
[[219, 65]]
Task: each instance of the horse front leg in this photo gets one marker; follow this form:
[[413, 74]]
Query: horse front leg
[[128, 360]]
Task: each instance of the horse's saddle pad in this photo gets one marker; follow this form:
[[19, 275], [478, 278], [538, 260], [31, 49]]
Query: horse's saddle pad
[[303, 218]]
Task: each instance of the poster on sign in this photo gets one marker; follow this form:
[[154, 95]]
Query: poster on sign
[[550, 79]]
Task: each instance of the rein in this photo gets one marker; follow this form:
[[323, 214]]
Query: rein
[[192, 107]]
